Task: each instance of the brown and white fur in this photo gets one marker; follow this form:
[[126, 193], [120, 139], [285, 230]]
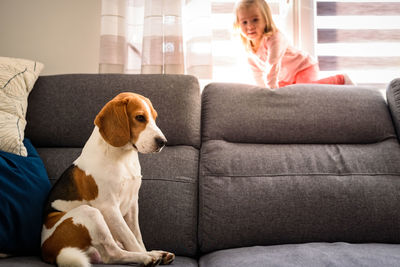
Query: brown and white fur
[[92, 212]]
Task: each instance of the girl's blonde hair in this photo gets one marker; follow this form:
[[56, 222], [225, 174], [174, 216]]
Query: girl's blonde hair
[[265, 11]]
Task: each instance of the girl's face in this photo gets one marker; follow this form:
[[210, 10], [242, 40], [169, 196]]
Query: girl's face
[[252, 23]]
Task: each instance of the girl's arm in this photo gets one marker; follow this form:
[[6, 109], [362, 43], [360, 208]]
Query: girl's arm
[[258, 73], [276, 45]]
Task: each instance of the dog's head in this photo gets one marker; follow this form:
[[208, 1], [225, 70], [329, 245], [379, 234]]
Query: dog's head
[[128, 120]]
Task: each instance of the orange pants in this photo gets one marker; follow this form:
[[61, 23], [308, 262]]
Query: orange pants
[[310, 75]]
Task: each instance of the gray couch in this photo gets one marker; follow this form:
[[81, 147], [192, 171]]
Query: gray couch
[[307, 175]]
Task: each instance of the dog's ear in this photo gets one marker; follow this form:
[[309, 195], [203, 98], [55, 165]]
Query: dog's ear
[[113, 123]]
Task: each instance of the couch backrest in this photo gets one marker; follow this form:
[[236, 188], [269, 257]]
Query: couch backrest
[[393, 99], [61, 111], [295, 115], [62, 108], [304, 163]]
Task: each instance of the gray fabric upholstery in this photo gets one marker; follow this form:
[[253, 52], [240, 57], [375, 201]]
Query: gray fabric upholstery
[[168, 200], [305, 163], [310, 255], [267, 173], [221, 158], [62, 108], [252, 194], [57, 160], [294, 114], [37, 262], [393, 99]]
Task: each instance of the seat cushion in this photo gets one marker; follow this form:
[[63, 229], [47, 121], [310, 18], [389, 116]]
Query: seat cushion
[[37, 262], [309, 254]]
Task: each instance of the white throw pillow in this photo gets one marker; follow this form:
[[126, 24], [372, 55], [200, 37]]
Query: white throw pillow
[[17, 77]]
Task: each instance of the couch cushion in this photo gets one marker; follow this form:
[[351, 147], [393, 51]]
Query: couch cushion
[[37, 262], [262, 194], [311, 254], [62, 108], [57, 160], [168, 200], [294, 114], [304, 163], [17, 77], [393, 98]]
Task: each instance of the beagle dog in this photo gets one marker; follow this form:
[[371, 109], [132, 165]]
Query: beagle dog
[[91, 215]]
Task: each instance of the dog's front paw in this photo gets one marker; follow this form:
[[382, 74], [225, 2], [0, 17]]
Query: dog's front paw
[[151, 260], [166, 257]]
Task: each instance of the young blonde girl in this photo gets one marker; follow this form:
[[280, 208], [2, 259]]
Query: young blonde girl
[[274, 62]]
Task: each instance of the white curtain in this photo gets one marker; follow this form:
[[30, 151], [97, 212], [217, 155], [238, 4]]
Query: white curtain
[[141, 36], [176, 36], [113, 47]]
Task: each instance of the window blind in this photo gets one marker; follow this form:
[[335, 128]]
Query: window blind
[[361, 38]]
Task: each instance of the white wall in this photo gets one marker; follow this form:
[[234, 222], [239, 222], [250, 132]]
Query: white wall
[[62, 34]]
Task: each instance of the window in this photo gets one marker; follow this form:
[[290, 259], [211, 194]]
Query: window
[[361, 38], [229, 59], [358, 37]]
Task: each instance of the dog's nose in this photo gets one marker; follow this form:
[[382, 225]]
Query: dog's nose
[[161, 142]]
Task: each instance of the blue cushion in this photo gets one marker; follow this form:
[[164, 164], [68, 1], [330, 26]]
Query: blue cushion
[[24, 186]]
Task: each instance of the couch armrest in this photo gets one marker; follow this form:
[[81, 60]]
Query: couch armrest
[[393, 99]]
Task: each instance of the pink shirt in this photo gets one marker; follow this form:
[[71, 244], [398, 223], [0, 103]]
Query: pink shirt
[[276, 60]]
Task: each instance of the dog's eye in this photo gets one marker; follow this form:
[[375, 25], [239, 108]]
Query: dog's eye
[[140, 118]]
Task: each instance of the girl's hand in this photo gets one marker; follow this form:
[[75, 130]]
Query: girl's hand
[[274, 85]]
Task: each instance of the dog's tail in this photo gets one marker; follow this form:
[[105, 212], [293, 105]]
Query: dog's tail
[[72, 257]]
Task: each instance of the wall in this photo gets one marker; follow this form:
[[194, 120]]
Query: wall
[[62, 34]]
